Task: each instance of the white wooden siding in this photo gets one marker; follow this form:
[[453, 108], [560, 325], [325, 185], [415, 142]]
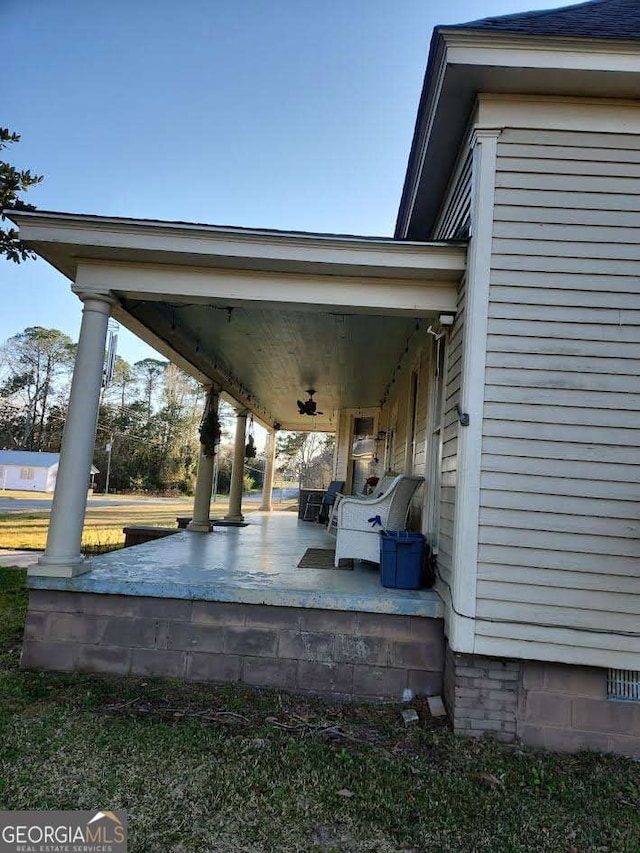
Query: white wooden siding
[[401, 396], [453, 222], [417, 462], [559, 538], [43, 479], [449, 469], [420, 450]]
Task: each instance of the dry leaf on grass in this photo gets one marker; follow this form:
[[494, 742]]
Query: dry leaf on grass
[[487, 778]]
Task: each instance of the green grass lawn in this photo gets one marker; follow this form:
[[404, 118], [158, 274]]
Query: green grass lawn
[[230, 770], [102, 526]]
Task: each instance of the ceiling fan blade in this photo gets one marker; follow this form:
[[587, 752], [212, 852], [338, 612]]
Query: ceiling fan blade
[[308, 407]]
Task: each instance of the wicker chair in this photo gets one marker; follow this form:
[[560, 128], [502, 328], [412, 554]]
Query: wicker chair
[[380, 489], [356, 536]]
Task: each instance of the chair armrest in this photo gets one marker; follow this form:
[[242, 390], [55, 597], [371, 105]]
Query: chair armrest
[[359, 500], [355, 515], [369, 500]]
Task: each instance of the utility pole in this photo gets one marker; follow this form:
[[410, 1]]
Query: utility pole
[[108, 448], [107, 377]]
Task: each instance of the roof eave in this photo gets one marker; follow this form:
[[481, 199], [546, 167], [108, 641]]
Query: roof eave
[[454, 49], [65, 240], [436, 65]]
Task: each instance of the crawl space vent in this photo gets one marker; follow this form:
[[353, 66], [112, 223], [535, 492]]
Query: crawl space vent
[[624, 684]]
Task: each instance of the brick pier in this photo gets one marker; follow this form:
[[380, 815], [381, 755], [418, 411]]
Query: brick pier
[[552, 705], [481, 695]]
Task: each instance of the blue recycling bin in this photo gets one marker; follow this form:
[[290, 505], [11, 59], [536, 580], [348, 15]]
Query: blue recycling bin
[[401, 559]]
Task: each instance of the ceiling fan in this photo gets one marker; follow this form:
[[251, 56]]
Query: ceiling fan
[[308, 407]]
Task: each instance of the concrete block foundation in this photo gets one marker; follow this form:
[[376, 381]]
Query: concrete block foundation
[[350, 655], [551, 705], [339, 654]]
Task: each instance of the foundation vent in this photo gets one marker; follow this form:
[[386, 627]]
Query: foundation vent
[[624, 684]]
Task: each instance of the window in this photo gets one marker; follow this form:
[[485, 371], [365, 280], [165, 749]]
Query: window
[[27, 473], [363, 442], [362, 453]]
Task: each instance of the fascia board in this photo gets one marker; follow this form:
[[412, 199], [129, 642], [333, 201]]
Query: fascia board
[[106, 224], [378, 257], [467, 48], [429, 99]]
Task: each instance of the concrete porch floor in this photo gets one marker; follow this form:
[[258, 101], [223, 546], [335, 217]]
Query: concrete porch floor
[[257, 564]]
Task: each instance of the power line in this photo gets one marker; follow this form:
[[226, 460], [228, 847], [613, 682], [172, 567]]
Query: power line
[[127, 435]]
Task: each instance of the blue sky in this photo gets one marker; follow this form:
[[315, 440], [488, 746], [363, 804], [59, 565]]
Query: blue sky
[[268, 113]]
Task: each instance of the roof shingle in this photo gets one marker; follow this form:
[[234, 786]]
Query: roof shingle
[[614, 19]]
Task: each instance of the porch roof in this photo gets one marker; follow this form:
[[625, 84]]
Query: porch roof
[[262, 314], [67, 239]]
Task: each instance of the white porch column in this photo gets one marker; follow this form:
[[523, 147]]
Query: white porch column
[[237, 472], [270, 454], [204, 481], [62, 557]]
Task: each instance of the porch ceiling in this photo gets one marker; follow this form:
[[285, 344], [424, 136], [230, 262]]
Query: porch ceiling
[[262, 314], [277, 354]]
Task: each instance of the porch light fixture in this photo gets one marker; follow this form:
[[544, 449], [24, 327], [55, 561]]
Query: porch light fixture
[[379, 439], [463, 417]]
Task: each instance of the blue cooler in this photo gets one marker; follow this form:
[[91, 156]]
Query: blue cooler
[[401, 559]]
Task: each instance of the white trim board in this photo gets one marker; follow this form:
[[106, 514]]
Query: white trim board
[[598, 115], [66, 239], [561, 645], [366, 295], [466, 525], [507, 50]]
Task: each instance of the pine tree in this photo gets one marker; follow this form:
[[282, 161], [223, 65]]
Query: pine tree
[[12, 182]]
